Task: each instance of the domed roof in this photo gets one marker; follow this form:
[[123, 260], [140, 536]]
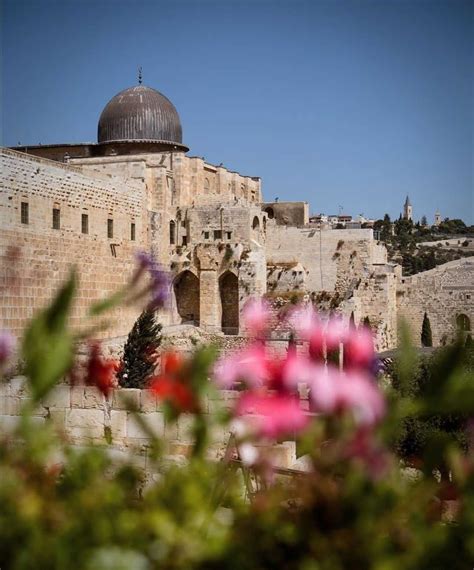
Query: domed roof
[[140, 114]]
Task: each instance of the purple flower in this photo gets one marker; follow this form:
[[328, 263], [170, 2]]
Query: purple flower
[[160, 282], [7, 345]]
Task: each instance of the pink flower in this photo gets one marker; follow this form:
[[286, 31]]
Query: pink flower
[[255, 316], [273, 415], [7, 346], [336, 333], [305, 321], [359, 349], [249, 365], [332, 391], [365, 449]]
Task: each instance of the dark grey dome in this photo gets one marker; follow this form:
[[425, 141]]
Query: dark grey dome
[[140, 114]]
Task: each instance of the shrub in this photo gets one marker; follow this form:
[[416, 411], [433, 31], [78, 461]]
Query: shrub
[[138, 362]]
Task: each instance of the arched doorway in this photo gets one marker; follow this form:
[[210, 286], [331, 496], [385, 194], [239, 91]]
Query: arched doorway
[[463, 323], [186, 291], [229, 294], [270, 213]]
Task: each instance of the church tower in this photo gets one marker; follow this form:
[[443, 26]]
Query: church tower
[[407, 210], [437, 218]]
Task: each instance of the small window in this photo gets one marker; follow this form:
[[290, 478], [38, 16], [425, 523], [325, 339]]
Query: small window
[[56, 219], [132, 231], [85, 223], [183, 224], [217, 234], [228, 235], [184, 240], [25, 218], [110, 228], [206, 235]]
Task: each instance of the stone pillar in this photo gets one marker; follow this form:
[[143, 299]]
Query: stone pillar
[[209, 300]]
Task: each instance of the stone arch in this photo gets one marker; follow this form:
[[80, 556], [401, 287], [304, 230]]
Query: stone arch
[[229, 296], [270, 212], [463, 323], [186, 289], [172, 232], [256, 223]]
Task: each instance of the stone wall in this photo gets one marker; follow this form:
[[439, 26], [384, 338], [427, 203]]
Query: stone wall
[[331, 258], [36, 259], [84, 417], [443, 293]]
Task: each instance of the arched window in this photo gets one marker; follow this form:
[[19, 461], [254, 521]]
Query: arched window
[[270, 212], [256, 223], [463, 323], [172, 232]]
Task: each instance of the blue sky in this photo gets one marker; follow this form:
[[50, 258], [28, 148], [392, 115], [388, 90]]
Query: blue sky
[[350, 104]]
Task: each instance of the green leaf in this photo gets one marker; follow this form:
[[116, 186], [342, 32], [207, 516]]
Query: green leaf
[[109, 303], [47, 347]]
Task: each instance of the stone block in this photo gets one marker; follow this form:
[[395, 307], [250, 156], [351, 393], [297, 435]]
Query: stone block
[[88, 424], [171, 430], [124, 398], [93, 398], [58, 418], [155, 420], [77, 396], [58, 398], [148, 401], [18, 386], [185, 427], [118, 424]]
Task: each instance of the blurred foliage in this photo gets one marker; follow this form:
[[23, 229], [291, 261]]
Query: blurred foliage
[[64, 507]]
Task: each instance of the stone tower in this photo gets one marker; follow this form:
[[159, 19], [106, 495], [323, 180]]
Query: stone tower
[[407, 210], [437, 218]]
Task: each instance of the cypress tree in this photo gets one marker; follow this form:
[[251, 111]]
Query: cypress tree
[[138, 362], [426, 336]]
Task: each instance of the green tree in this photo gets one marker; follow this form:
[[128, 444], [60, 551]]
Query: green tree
[[138, 362], [426, 336], [386, 232], [424, 221]]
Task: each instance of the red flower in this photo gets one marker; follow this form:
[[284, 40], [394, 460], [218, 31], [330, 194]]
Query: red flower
[[101, 372], [172, 384]]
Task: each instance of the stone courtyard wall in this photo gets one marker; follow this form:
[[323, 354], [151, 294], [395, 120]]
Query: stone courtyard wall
[[443, 293], [85, 417], [36, 259]]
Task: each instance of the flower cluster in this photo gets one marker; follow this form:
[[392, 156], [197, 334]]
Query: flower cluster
[[172, 384], [335, 364], [101, 372]]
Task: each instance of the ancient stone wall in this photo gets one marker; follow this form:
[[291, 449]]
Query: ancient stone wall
[[444, 293], [84, 417], [36, 258], [333, 259]]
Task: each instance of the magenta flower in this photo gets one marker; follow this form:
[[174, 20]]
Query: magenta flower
[[272, 415], [304, 321], [336, 333], [249, 365], [255, 316], [359, 349], [160, 282], [333, 391], [7, 346]]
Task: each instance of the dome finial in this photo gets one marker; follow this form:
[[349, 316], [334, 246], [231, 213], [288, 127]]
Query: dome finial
[[140, 75]]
